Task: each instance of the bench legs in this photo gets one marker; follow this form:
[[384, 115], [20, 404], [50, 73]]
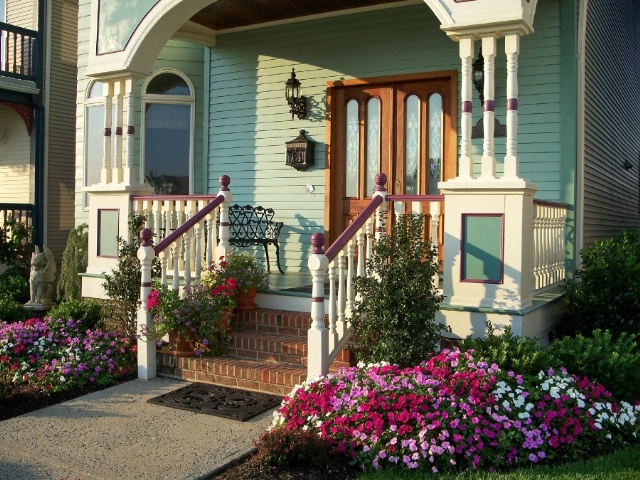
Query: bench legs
[[266, 254]]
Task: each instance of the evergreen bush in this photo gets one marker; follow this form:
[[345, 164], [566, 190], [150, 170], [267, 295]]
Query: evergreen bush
[[606, 293], [12, 311], [394, 315], [14, 286], [74, 262], [88, 312], [122, 285]]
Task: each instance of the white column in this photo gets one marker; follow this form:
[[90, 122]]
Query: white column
[[129, 176], [512, 48], [488, 147], [116, 154], [466, 124], [105, 173]]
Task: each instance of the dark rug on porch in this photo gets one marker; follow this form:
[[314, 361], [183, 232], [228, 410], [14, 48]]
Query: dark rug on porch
[[305, 289], [226, 402]]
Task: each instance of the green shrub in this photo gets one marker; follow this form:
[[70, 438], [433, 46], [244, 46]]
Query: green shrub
[[521, 354], [89, 312], [16, 247], [293, 448], [122, 285], [613, 362], [606, 293], [12, 311], [74, 262], [394, 315], [14, 286]]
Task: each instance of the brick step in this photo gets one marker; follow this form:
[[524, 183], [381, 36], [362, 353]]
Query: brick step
[[233, 372], [288, 349], [280, 322]]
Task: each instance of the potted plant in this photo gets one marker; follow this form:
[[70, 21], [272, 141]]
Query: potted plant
[[240, 270], [196, 321]]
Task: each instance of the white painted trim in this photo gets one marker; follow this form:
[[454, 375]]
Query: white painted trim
[[206, 108], [88, 103], [170, 100], [580, 104], [196, 33]]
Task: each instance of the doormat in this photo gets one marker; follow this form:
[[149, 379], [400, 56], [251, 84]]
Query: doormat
[[220, 401]]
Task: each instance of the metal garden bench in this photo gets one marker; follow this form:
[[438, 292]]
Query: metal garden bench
[[250, 226]]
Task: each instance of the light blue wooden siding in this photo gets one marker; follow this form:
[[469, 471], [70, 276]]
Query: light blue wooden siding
[[187, 58], [250, 123], [611, 119]]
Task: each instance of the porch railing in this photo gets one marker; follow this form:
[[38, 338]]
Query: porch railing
[[342, 262], [548, 265], [17, 52], [178, 222], [20, 212], [168, 214]]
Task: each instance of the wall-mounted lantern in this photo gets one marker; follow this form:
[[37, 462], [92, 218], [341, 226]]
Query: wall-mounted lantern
[[300, 152], [292, 92], [477, 71]]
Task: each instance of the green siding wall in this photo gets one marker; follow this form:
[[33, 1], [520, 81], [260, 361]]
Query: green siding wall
[[249, 121], [611, 119]]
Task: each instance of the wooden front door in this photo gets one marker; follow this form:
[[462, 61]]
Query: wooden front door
[[404, 127]]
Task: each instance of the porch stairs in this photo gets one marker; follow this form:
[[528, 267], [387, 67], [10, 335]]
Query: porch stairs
[[268, 352]]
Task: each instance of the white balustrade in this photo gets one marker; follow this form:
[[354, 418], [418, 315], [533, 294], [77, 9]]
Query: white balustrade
[[549, 222]]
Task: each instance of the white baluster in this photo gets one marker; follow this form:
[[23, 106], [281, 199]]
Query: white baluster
[[360, 243], [488, 167], [186, 239], [342, 286], [198, 246], [351, 248], [369, 238], [212, 235], [334, 335]]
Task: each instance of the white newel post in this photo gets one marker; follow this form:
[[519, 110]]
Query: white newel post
[[318, 335], [224, 247], [146, 348]]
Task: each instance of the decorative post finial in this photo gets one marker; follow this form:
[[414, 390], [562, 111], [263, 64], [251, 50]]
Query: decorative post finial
[[224, 183], [381, 181], [145, 235], [317, 240]]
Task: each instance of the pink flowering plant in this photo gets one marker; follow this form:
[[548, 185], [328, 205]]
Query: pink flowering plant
[[452, 413], [58, 355], [198, 313], [239, 270]]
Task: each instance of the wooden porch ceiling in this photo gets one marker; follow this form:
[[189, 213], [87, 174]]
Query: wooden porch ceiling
[[227, 14]]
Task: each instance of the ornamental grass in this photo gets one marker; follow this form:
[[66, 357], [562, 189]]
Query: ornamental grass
[[454, 414]]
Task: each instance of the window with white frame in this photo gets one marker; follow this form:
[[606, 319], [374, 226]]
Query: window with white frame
[[168, 106], [93, 136]]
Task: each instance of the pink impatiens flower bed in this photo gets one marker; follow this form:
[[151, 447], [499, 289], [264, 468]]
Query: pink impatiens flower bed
[[453, 413]]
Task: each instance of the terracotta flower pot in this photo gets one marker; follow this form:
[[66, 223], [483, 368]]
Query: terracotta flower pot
[[245, 301], [182, 344]]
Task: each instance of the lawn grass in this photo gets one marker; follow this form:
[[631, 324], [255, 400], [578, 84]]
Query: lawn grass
[[621, 465]]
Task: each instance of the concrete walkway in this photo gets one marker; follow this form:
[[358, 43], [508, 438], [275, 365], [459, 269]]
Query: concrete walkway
[[114, 433]]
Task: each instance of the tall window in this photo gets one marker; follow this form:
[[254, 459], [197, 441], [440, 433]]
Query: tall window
[[167, 124], [93, 136]]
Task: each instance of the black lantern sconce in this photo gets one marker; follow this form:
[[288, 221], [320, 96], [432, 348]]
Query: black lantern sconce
[[297, 103], [477, 71]]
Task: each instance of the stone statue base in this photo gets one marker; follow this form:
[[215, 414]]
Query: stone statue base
[[39, 307]]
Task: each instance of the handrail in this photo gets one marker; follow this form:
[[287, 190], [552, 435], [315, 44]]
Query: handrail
[[7, 27], [359, 221], [191, 222], [415, 198], [142, 198], [550, 203]]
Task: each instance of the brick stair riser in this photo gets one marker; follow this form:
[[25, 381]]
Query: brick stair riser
[[232, 372]]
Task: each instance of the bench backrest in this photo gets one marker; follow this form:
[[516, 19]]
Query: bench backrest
[[252, 223]]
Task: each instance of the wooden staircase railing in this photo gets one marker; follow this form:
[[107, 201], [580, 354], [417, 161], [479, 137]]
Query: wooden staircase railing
[[177, 211], [344, 260]]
